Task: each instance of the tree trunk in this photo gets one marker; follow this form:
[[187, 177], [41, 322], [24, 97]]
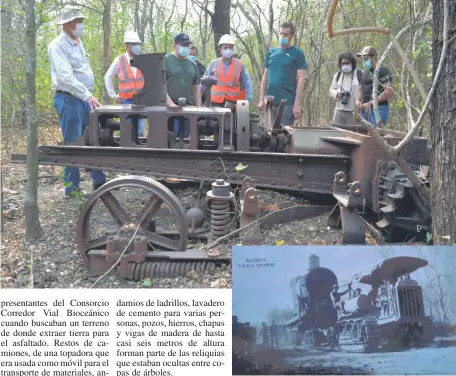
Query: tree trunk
[[443, 130], [106, 45], [221, 20], [32, 220]]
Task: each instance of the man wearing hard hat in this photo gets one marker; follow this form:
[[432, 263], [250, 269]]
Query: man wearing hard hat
[[131, 80], [230, 73], [72, 83]]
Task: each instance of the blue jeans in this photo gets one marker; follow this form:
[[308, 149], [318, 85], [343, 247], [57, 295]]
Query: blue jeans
[[186, 130], [74, 117], [141, 122], [370, 115]]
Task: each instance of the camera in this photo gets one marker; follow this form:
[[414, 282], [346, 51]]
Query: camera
[[345, 95]]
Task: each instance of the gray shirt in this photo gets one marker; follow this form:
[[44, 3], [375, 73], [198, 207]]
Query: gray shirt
[[70, 67], [348, 82]]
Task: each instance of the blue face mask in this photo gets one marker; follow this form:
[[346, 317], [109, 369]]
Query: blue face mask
[[192, 57], [283, 41], [367, 64], [183, 51], [136, 49]]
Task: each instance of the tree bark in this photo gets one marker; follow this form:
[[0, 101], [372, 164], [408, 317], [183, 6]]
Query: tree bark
[[443, 130], [221, 20], [32, 221]]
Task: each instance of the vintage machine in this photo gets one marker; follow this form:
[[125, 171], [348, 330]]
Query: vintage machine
[[227, 147], [383, 308]]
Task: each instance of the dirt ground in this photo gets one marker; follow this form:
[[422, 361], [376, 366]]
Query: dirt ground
[[54, 261], [436, 359]]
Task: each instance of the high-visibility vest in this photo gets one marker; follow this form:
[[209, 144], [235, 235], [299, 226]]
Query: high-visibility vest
[[228, 87], [128, 84]]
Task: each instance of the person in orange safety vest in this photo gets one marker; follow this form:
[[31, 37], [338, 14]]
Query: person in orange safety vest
[[231, 74], [130, 79]]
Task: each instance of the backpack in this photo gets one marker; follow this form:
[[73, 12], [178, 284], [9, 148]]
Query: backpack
[[359, 73]]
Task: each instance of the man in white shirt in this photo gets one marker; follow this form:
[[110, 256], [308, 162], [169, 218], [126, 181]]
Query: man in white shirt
[[72, 82], [131, 80]]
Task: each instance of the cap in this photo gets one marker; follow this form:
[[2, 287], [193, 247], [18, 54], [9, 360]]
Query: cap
[[182, 38], [368, 50], [69, 13], [131, 37]]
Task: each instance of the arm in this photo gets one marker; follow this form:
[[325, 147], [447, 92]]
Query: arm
[[333, 89], [108, 78], [249, 87], [207, 74], [197, 94], [64, 73], [263, 86], [300, 75], [170, 102]]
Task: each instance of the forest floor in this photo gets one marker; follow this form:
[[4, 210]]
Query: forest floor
[[54, 261]]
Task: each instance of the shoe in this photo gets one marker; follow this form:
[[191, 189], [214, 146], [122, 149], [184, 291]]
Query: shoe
[[76, 193]]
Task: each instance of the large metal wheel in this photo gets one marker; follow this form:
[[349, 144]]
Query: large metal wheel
[[153, 202]]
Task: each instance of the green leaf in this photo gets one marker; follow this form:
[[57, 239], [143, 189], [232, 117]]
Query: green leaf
[[280, 242], [446, 237], [240, 167], [428, 237], [68, 184], [147, 282]]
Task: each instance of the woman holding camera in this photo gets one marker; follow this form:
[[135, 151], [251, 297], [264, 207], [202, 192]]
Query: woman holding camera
[[344, 89]]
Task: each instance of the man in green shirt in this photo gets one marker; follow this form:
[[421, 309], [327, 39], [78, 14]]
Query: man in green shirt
[[182, 79], [284, 76]]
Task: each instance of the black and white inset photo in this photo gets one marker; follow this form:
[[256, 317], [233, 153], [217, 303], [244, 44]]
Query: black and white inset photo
[[344, 310]]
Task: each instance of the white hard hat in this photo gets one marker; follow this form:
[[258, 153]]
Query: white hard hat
[[131, 37], [226, 39]]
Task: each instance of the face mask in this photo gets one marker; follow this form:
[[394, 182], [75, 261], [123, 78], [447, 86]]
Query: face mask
[[346, 68], [183, 51], [227, 53], [79, 30], [136, 49], [367, 64], [192, 57], [283, 41]]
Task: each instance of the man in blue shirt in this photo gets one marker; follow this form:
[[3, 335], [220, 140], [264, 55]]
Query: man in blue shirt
[[284, 76]]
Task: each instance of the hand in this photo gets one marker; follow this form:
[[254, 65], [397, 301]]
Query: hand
[[297, 112], [366, 106], [119, 100], [287, 129], [93, 102], [338, 96], [359, 104], [261, 105]]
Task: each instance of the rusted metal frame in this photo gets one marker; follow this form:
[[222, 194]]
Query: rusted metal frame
[[279, 114], [293, 172]]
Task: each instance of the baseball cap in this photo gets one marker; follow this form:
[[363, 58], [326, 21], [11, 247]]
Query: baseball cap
[[182, 38], [368, 50]]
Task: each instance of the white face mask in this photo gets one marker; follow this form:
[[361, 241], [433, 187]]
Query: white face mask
[[79, 30], [346, 68]]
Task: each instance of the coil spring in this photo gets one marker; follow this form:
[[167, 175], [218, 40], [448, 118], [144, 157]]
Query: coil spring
[[166, 269], [220, 218]]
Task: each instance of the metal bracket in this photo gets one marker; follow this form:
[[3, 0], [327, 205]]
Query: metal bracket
[[250, 211], [349, 201]]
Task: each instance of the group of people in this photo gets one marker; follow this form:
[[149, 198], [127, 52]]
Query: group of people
[[283, 78], [269, 335]]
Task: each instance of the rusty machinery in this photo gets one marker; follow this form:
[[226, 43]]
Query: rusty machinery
[[330, 161], [384, 308]]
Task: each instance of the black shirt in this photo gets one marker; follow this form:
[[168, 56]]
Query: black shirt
[[367, 83]]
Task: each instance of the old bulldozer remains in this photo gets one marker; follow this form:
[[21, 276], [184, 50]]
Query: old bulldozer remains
[[231, 150]]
